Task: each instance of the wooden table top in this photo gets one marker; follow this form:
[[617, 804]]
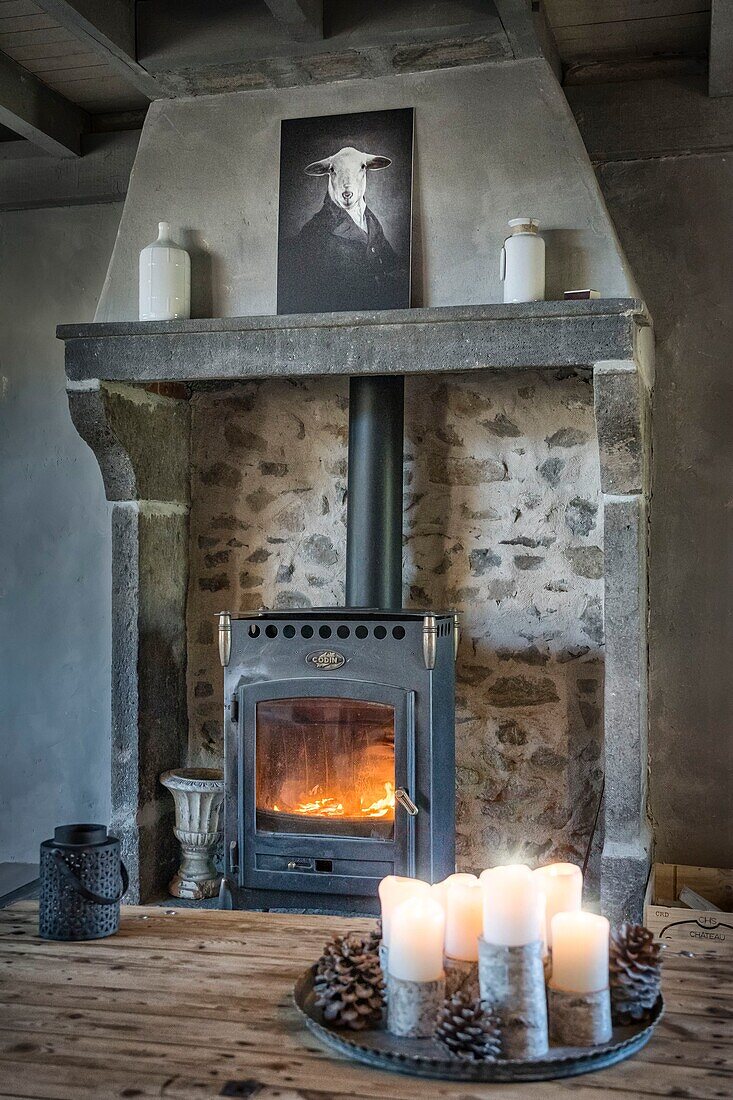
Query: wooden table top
[[182, 1001]]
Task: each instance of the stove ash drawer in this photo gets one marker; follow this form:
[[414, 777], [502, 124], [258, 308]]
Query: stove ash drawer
[[313, 865]]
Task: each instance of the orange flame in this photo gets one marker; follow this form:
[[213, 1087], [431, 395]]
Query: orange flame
[[325, 805]]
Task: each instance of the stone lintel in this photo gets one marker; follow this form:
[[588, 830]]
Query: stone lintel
[[531, 335]]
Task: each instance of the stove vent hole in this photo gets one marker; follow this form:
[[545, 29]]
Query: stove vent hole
[[361, 632], [289, 631], [254, 630], [324, 631], [343, 632], [398, 632], [306, 631], [380, 632], [271, 631], [325, 866]]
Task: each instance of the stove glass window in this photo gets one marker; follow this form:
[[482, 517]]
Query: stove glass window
[[325, 766]]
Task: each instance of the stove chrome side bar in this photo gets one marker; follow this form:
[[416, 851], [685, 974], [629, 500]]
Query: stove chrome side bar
[[430, 640], [225, 637]]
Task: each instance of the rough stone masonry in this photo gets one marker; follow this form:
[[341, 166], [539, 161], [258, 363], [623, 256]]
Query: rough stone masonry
[[502, 522]]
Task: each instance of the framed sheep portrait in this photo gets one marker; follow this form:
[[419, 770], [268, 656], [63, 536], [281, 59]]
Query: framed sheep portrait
[[344, 233]]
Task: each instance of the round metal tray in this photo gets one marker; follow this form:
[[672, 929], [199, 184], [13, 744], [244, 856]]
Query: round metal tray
[[425, 1058]]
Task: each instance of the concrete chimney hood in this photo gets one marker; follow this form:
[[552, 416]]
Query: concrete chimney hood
[[128, 402]]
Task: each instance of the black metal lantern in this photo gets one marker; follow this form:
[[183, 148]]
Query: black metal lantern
[[82, 882]]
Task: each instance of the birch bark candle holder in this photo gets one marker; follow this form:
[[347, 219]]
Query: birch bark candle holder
[[579, 1019], [510, 956], [512, 984], [413, 1007], [415, 976], [461, 974], [579, 1000], [463, 924]]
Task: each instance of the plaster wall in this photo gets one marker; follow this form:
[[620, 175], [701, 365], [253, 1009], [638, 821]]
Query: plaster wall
[[675, 219], [54, 537]]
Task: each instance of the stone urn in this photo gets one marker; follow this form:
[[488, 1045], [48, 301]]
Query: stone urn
[[198, 794]]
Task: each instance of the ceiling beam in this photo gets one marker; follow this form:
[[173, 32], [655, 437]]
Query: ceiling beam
[[303, 19], [720, 70], [29, 108], [528, 31], [106, 27], [29, 178]]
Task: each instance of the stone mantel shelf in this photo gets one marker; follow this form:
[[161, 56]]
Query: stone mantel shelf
[[532, 335]]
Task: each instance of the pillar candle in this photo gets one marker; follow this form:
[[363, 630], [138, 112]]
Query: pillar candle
[[464, 918], [416, 941], [562, 885], [392, 890], [439, 890], [579, 952], [513, 906]]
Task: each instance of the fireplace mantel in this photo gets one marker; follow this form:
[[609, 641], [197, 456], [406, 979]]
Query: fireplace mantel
[[139, 433], [531, 335]]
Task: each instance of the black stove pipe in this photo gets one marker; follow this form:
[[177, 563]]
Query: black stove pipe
[[374, 502]]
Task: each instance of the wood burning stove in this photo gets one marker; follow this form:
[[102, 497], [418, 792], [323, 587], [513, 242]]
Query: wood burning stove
[[339, 722], [339, 754]]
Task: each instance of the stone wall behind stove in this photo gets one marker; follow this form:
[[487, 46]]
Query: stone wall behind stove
[[502, 521]]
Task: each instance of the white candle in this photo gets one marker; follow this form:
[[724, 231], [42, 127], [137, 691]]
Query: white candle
[[416, 944], [392, 891], [579, 952], [562, 885], [464, 918], [513, 906], [439, 890]]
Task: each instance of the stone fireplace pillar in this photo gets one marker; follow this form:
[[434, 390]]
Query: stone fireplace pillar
[[622, 399], [140, 439]]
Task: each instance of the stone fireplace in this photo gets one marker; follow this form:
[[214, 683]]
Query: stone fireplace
[[525, 476]]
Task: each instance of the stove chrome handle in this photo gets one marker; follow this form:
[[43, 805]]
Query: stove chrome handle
[[406, 802]]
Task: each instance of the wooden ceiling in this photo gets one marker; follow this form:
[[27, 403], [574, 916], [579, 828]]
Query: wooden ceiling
[[71, 66], [613, 30], [63, 61]]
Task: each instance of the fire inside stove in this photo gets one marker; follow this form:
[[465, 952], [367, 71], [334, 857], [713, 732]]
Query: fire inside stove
[[325, 765], [326, 805]]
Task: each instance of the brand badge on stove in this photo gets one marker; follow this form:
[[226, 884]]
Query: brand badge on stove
[[326, 660]]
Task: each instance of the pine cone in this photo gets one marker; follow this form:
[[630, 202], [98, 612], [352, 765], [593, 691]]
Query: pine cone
[[348, 984], [467, 1029], [635, 971]]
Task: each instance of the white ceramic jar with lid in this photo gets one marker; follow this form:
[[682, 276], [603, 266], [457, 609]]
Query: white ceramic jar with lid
[[165, 279], [523, 262]]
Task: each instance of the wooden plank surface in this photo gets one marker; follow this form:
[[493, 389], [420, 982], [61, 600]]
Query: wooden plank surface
[[601, 30], [182, 1001]]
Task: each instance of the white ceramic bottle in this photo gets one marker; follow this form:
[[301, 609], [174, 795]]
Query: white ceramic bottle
[[523, 262], [165, 279]]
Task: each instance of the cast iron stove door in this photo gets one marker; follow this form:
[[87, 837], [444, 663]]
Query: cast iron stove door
[[326, 769]]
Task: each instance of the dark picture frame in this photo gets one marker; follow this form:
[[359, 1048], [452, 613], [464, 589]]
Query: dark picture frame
[[345, 212]]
